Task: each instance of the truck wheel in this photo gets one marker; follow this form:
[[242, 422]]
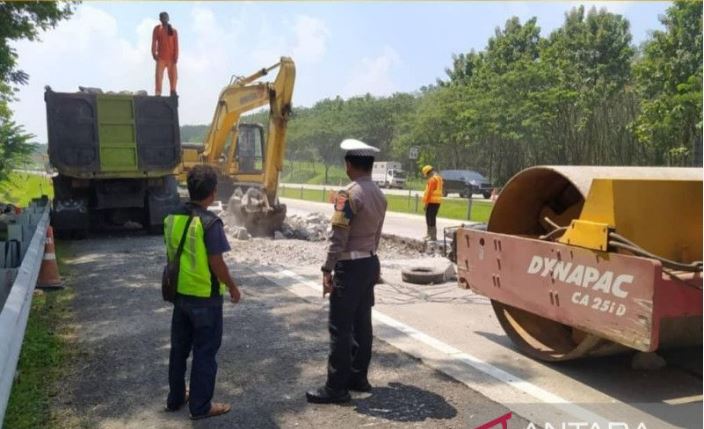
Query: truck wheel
[[423, 275]]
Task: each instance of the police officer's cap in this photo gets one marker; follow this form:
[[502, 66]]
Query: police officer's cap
[[354, 147]]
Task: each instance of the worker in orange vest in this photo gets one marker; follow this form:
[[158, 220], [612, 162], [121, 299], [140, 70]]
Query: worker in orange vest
[[432, 198], [165, 52]]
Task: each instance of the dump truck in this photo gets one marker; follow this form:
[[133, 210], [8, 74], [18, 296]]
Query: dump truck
[[115, 156], [589, 261]]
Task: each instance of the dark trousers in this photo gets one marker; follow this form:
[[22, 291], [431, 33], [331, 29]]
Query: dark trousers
[[198, 328], [431, 213], [350, 322]]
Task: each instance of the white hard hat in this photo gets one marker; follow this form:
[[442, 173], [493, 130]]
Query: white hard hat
[[355, 147]]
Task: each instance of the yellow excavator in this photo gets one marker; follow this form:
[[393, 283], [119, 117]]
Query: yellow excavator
[[247, 159]]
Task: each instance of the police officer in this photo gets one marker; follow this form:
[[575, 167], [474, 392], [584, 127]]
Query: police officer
[[356, 229]]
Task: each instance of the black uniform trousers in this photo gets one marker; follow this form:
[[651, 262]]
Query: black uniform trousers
[[431, 213], [350, 322]]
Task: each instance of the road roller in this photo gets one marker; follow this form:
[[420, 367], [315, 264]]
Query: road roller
[[587, 261]]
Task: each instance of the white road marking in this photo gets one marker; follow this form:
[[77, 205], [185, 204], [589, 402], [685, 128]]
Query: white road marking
[[684, 400], [575, 411]]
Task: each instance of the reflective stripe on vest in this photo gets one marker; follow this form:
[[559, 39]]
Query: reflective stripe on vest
[[194, 278], [434, 197]]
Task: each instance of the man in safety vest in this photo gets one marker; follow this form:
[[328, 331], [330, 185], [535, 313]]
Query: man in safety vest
[[165, 53], [432, 198], [196, 324]]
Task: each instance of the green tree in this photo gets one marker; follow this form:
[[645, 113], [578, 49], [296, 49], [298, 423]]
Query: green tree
[[20, 20], [669, 80], [589, 59]]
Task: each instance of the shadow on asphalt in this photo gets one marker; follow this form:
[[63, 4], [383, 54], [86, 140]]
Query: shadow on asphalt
[[405, 403]]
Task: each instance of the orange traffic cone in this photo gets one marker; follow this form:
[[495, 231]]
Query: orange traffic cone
[[49, 272]]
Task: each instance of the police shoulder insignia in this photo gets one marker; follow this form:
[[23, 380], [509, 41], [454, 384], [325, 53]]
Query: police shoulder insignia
[[343, 211]]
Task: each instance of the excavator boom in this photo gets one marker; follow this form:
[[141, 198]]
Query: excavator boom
[[253, 185]]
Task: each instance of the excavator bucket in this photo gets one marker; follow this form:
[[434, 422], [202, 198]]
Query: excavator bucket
[[251, 210]]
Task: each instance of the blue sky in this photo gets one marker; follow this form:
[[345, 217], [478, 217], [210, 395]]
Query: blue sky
[[340, 48]]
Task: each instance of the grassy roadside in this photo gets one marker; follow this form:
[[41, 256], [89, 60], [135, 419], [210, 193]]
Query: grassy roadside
[[46, 354], [451, 209], [312, 173], [22, 187]]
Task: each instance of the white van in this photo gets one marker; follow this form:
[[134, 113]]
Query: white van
[[389, 174]]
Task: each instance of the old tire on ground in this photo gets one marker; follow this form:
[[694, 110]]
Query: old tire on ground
[[423, 275]]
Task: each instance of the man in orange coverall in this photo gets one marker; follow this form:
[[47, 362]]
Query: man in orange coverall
[[165, 52]]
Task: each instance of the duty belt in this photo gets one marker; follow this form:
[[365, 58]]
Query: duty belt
[[355, 254]]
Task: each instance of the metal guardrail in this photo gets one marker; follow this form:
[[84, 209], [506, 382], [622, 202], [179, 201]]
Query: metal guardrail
[[14, 314]]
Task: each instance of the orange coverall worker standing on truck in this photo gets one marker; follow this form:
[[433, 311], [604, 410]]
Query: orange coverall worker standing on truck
[[165, 52], [432, 198]]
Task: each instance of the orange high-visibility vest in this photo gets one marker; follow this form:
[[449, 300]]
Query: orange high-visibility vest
[[433, 190]]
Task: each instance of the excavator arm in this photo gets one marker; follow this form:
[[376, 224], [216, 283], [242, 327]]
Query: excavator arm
[[243, 95], [253, 192]]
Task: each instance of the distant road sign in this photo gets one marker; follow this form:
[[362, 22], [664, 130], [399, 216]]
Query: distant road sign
[[413, 152]]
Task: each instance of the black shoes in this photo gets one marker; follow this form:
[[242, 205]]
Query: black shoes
[[324, 395], [360, 386]]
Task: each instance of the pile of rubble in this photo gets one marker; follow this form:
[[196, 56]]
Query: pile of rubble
[[312, 227], [237, 232]]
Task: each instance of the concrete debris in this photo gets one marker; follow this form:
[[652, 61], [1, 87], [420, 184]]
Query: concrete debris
[[242, 234], [301, 241], [312, 227], [450, 273], [237, 232], [647, 361], [216, 207], [92, 90]]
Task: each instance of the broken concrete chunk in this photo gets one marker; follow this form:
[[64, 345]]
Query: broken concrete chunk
[[242, 234], [450, 273]]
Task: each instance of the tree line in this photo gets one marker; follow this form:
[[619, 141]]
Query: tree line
[[583, 95]]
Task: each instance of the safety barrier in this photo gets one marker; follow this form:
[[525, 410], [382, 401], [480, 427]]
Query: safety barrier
[[20, 259]]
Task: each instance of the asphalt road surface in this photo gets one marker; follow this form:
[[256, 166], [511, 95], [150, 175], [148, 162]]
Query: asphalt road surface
[[457, 332], [274, 348]]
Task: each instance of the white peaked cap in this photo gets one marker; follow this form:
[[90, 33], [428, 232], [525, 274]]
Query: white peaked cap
[[358, 148]]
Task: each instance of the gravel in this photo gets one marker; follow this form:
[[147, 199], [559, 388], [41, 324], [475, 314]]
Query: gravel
[[302, 241]]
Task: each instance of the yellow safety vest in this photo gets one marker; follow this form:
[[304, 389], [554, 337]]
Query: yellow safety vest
[[194, 277]]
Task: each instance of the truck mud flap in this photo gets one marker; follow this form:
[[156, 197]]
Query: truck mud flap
[[68, 215], [160, 202]]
